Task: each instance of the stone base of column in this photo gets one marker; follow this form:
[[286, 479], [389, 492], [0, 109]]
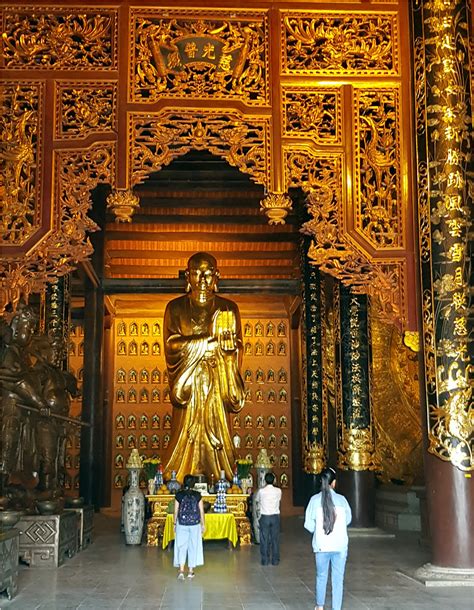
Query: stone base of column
[[435, 576]]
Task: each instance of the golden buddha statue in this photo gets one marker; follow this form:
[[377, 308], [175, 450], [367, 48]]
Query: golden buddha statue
[[203, 349]]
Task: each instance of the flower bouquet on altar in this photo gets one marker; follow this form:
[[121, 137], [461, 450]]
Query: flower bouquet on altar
[[150, 466], [243, 467]]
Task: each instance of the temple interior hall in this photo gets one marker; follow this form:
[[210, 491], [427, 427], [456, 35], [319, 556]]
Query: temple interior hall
[[236, 240], [112, 575]]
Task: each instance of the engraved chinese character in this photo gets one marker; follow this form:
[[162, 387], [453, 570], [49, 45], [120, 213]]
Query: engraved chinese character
[[209, 51], [190, 48], [225, 63], [460, 326]]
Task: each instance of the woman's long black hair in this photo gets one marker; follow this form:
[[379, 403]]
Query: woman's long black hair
[[328, 475]]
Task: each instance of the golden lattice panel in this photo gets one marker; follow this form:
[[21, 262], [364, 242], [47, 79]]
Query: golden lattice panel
[[156, 139], [85, 109], [56, 38], [352, 43], [314, 113]]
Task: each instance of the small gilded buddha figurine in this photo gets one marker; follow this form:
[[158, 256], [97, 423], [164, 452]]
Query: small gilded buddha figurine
[[203, 349]]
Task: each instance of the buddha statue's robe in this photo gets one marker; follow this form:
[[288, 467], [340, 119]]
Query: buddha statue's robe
[[205, 383]]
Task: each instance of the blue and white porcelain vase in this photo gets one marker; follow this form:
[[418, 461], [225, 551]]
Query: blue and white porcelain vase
[[173, 484], [134, 509], [220, 504]]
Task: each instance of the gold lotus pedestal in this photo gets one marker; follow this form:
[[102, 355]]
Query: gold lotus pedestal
[[236, 505]]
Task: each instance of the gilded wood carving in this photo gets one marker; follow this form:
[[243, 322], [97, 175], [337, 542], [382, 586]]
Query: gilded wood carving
[[200, 79], [199, 54], [354, 43], [21, 117], [60, 39], [155, 140]]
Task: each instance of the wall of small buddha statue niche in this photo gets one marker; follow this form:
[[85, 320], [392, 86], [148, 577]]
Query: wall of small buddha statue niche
[[143, 413], [73, 441]]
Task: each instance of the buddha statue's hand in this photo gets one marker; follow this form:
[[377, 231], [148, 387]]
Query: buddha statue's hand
[[224, 328], [227, 341]]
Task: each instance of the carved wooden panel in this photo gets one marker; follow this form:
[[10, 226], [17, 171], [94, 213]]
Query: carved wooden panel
[[340, 43], [59, 38], [200, 54]]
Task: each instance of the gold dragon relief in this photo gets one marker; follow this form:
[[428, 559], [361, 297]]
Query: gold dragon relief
[[199, 55], [378, 177], [451, 425], [21, 111], [77, 173], [60, 39], [340, 43], [85, 108], [158, 139]]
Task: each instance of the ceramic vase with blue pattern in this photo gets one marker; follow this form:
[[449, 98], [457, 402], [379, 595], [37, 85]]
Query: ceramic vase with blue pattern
[[134, 509]]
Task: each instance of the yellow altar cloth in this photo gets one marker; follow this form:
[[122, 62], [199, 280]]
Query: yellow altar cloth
[[218, 527]]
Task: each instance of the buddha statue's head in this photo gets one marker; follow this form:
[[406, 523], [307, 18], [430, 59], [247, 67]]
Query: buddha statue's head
[[202, 276]]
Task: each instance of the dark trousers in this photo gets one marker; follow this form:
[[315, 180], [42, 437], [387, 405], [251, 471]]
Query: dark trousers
[[269, 539]]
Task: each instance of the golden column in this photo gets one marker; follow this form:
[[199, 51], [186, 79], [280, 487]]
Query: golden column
[[443, 90]]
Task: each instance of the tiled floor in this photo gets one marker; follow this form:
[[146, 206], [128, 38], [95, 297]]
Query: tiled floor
[[110, 574]]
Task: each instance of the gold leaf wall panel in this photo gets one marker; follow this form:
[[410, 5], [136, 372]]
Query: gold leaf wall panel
[[85, 109], [378, 173], [314, 113]]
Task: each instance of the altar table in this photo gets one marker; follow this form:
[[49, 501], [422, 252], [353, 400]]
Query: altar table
[[218, 527], [163, 504]]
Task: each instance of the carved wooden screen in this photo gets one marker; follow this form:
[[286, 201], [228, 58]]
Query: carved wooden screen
[[316, 98]]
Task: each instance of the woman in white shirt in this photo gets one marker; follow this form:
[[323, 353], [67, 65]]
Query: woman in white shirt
[[327, 516]]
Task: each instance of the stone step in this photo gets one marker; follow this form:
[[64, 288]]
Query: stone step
[[397, 508]]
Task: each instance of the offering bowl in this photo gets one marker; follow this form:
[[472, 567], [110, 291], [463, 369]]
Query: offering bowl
[[70, 502], [48, 507], [9, 518]]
